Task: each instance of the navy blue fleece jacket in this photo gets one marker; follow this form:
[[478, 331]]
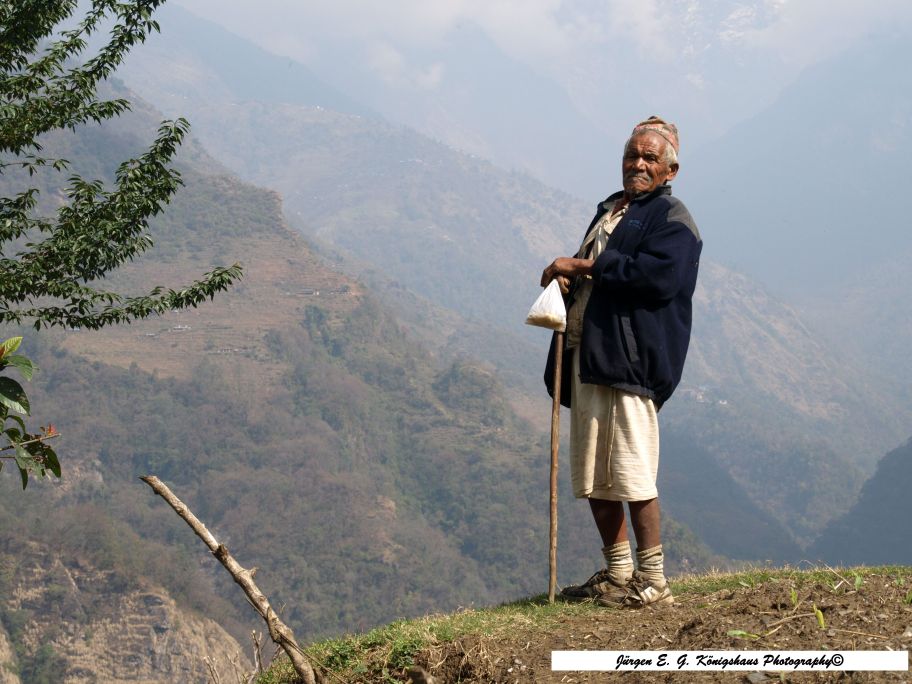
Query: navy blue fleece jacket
[[636, 327]]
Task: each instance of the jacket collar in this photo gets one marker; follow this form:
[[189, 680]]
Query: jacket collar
[[663, 189]]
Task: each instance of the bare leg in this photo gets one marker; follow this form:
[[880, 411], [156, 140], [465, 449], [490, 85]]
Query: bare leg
[[645, 517], [610, 520], [612, 526]]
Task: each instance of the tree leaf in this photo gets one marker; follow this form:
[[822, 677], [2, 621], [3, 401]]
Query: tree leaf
[[22, 364], [23, 461], [10, 345], [50, 457], [13, 396], [19, 421]]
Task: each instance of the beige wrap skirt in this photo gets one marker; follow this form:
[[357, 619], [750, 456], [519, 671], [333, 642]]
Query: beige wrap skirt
[[614, 442]]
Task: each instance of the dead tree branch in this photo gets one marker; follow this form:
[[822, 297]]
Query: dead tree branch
[[280, 633], [213, 672], [257, 652]]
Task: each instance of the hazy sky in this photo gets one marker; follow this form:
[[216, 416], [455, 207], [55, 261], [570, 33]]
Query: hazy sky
[[541, 31], [593, 66], [702, 44]]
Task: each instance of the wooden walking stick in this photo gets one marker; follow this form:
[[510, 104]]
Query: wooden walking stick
[[555, 444], [548, 311]]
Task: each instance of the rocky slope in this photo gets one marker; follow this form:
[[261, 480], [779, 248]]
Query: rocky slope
[[8, 668], [65, 621]]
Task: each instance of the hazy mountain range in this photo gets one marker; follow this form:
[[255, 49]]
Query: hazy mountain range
[[482, 77], [417, 218], [362, 417], [789, 113]]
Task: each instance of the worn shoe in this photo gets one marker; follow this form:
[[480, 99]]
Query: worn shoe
[[599, 585], [639, 592]]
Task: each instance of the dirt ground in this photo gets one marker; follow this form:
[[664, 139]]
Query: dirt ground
[[775, 615]]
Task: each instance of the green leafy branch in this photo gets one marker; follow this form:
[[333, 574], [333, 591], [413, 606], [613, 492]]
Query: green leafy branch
[[30, 451], [46, 85], [50, 266]]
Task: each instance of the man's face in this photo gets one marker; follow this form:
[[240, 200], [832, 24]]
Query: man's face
[[644, 167]]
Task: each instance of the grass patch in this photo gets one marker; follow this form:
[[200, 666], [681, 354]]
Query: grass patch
[[834, 577], [386, 650]]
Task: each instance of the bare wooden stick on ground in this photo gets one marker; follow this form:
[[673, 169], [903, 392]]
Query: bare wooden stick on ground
[[257, 652], [280, 633]]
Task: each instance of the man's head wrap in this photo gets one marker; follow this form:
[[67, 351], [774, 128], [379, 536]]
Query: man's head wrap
[[667, 130]]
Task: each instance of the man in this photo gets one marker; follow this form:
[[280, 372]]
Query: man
[[629, 291]]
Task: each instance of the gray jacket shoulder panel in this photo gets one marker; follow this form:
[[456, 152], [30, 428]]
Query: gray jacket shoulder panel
[[678, 212]]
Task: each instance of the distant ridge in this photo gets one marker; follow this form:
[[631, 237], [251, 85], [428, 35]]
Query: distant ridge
[[878, 529], [242, 73]]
